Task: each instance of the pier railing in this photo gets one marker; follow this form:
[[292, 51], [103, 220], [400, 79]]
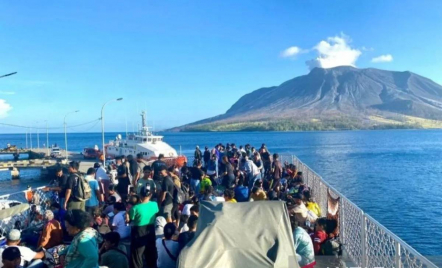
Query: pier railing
[[366, 242]]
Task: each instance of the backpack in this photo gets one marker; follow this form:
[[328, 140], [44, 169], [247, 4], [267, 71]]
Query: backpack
[[185, 189], [179, 196], [332, 247], [82, 190]]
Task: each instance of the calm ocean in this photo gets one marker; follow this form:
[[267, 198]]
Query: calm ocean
[[395, 176]]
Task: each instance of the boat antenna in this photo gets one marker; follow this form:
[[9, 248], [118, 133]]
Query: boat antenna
[[143, 119], [126, 127]]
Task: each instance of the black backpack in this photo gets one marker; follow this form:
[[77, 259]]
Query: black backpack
[[332, 247], [82, 190]]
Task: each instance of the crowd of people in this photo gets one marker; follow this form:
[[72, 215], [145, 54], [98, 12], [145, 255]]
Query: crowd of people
[[138, 214]]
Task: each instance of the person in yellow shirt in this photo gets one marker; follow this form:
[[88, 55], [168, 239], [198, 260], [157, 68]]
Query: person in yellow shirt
[[311, 204], [229, 196], [258, 194]]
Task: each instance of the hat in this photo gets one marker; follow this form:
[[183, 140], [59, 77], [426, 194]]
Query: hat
[[11, 254], [49, 215], [97, 165], [160, 222], [299, 209], [145, 191], [14, 235]]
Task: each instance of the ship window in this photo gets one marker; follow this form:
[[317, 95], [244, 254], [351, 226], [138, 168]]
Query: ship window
[[150, 140], [144, 139]]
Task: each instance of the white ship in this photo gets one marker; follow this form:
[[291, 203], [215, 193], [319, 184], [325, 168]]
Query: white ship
[[144, 142]]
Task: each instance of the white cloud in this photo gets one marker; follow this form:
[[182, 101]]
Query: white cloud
[[383, 58], [7, 92], [291, 52], [364, 48], [4, 108], [335, 51]]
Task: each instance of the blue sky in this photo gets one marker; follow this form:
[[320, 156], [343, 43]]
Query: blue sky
[[189, 60]]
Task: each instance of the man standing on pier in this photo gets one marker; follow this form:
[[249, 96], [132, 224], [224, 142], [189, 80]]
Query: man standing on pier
[[123, 179], [198, 155], [60, 185]]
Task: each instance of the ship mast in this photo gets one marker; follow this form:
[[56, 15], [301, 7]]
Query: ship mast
[[143, 119], [144, 127]]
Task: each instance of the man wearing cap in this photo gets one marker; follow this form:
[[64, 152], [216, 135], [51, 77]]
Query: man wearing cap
[[52, 234], [27, 255], [142, 218]]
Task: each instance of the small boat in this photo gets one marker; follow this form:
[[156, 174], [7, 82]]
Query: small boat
[[92, 153], [55, 151]]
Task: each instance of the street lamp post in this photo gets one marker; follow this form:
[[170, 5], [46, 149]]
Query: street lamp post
[[66, 136], [38, 138], [47, 138], [102, 128], [30, 137]]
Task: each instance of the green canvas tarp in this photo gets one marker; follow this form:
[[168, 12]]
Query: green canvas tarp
[[241, 235], [9, 212]]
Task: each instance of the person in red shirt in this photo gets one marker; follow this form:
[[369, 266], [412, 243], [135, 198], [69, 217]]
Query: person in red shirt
[[319, 236]]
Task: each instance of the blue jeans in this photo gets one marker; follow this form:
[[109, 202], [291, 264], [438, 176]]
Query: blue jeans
[[195, 185], [252, 180]]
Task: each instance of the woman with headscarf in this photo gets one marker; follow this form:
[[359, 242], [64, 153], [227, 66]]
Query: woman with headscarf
[[52, 234]]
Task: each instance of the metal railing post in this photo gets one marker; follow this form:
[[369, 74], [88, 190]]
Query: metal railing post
[[397, 260], [342, 220], [364, 256]]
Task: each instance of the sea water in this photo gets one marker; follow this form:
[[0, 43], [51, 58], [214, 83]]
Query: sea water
[[393, 175]]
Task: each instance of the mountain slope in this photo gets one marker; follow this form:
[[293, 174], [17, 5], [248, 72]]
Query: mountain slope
[[340, 97]]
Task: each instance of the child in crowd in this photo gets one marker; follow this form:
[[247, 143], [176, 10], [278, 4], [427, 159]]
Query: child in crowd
[[319, 236]]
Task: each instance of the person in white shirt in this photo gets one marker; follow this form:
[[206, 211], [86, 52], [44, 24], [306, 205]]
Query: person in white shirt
[[168, 249], [113, 174], [101, 176], [119, 221], [27, 255]]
